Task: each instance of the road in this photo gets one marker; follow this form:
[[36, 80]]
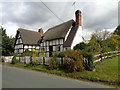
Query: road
[[20, 78]]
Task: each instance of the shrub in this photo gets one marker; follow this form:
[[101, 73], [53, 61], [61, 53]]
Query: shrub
[[81, 46], [88, 61], [73, 65], [14, 60], [74, 61], [53, 63]]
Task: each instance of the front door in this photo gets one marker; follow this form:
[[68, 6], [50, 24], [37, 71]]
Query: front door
[[50, 51]]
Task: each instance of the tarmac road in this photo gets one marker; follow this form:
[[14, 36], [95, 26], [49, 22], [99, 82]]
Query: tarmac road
[[20, 78]]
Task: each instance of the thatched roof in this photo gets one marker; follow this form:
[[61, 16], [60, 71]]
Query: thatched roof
[[58, 31], [71, 36], [29, 37]]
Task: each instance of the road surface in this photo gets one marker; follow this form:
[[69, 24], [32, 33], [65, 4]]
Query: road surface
[[20, 78]]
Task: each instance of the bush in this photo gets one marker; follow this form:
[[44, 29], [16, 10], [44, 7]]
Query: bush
[[14, 60], [53, 63], [73, 65], [81, 46], [88, 58], [74, 61]]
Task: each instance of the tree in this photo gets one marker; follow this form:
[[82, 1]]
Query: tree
[[81, 46], [7, 43], [114, 42], [102, 35], [94, 46]]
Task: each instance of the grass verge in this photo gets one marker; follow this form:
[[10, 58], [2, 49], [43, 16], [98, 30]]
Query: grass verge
[[106, 72]]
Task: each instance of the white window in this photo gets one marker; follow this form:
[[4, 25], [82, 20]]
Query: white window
[[57, 42], [47, 43], [47, 48], [44, 43], [37, 47], [58, 48], [26, 46], [30, 46], [33, 47], [41, 44], [18, 46], [50, 42], [53, 42], [61, 41]]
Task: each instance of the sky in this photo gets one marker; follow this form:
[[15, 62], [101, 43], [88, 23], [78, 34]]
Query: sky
[[96, 15]]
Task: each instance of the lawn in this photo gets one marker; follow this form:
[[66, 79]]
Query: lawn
[[106, 72]]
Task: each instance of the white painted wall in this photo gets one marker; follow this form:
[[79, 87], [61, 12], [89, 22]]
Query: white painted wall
[[78, 37], [18, 46]]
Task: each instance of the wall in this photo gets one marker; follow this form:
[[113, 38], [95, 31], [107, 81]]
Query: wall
[[57, 45], [78, 37]]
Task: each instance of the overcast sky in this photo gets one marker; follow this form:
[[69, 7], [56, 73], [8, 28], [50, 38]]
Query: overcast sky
[[97, 15]]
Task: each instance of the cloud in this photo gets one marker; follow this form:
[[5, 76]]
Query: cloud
[[33, 15]]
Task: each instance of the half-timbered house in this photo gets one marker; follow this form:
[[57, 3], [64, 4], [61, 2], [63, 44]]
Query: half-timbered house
[[26, 39], [58, 38], [62, 37]]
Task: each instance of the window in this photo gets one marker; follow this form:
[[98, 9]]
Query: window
[[57, 42], [50, 42], [37, 47], [57, 48], [61, 41]]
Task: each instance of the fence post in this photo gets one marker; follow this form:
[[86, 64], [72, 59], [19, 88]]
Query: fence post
[[19, 59], [100, 56], [61, 60], [43, 60], [24, 59]]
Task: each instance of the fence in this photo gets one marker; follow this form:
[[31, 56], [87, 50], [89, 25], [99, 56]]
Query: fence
[[102, 56], [45, 60], [7, 58], [39, 60]]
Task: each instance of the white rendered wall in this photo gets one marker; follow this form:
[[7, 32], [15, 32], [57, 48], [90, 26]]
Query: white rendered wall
[[78, 37]]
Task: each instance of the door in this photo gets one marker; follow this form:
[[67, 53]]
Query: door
[[50, 51]]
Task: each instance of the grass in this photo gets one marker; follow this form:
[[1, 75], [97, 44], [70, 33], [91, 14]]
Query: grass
[[105, 72]]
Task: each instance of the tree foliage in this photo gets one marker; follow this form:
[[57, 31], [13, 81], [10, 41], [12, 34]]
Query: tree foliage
[[81, 46], [102, 34], [100, 42], [7, 43]]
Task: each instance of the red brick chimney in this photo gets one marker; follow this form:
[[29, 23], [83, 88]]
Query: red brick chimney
[[41, 31], [78, 15]]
